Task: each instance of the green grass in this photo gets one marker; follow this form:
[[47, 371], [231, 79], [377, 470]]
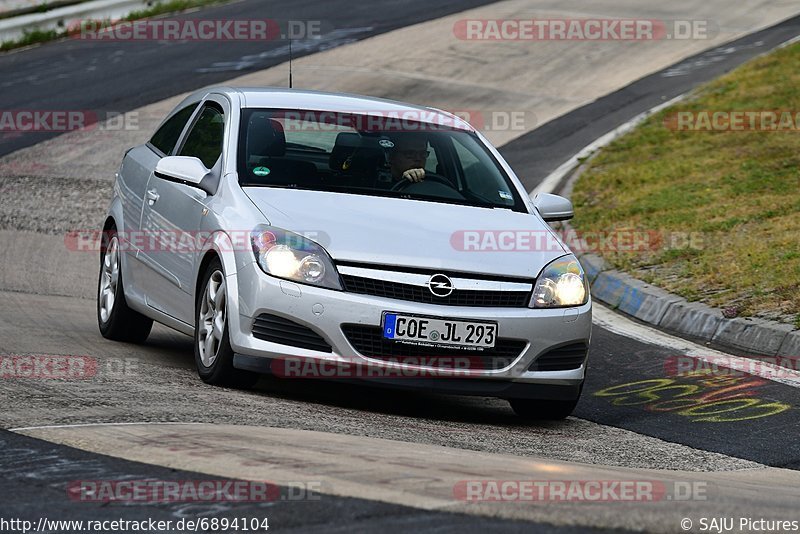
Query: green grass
[[171, 6], [738, 193], [31, 37], [159, 8]]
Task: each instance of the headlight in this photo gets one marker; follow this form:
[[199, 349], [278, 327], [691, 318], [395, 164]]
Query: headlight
[[293, 257], [561, 284]]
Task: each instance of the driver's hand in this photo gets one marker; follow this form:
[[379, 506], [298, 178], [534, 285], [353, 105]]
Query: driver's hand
[[414, 175]]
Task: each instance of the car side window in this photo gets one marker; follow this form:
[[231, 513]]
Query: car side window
[[204, 141], [166, 137], [490, 186]]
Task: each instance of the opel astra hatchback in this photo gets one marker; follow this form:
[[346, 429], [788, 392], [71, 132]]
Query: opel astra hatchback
[[308, 234]]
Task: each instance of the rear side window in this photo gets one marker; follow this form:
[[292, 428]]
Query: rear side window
[[204, 141], [167, 136]]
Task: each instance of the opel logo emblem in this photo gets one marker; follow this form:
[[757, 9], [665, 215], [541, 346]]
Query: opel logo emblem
[[440, 285]]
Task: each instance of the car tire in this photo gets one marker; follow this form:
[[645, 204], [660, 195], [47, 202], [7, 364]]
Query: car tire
[[544, 410], [114, 318], [213, 353]]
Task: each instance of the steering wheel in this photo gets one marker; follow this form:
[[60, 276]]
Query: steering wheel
[[429, 177]]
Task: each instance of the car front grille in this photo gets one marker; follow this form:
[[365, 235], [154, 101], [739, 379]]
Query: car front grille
[[369, 342], [413, 293], [281, 330], [564, 358]]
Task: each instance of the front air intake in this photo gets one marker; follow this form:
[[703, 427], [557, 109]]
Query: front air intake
[[281, 330], [564, 358]]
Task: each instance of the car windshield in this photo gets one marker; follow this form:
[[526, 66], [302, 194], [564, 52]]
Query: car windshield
[[379, 155]]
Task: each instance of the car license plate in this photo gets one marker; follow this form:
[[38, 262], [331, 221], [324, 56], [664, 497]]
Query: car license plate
[[439, 332]]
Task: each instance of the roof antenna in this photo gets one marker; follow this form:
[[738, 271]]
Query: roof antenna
[[290, 63]]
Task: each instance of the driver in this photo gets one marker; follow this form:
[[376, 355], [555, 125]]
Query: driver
[[407, 158]]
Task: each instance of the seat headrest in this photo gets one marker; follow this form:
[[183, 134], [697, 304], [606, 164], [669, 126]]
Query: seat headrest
[[344, 146], [347, 139], [265, 137], [355, 153]]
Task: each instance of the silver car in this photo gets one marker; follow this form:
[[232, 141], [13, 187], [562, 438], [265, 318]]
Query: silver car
[[309, 234]]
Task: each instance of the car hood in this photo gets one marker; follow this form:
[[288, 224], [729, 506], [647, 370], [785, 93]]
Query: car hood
[[411, 233]]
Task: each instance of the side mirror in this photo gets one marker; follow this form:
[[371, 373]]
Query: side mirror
[[553, 207], [184, 169]]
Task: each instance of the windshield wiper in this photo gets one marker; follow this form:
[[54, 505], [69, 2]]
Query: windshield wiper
[[277, 186], [368, 191], [457, 201]]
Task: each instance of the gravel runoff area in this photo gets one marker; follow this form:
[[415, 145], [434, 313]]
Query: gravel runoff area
[[52, 206], [65, 183]]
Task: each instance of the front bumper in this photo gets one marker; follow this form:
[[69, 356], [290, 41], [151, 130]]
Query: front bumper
[[325, 311]]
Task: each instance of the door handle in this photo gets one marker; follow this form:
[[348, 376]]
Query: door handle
[[152, 196]]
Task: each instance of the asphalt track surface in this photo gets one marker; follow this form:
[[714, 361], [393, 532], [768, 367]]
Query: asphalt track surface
[[38, 472], [616, 361], [75, 74], [617, 364]]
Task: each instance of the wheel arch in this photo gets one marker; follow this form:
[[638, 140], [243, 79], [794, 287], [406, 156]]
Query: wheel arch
[[208, 256], [220, 246], [113, 221]]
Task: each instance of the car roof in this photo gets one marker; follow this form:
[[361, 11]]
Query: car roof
[[303, 99]]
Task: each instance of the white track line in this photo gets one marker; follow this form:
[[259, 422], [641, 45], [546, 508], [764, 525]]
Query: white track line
[[555, 177], [619, 324], [790, 42]]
